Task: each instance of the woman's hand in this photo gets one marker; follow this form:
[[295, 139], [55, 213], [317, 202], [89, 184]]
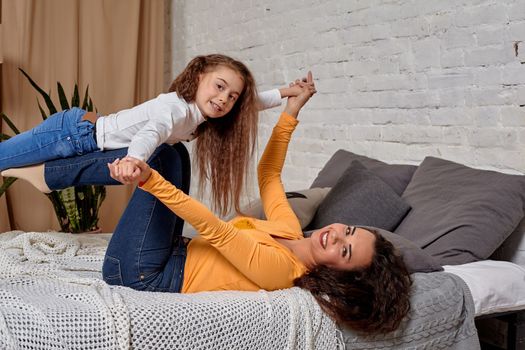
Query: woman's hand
[[294, 104]]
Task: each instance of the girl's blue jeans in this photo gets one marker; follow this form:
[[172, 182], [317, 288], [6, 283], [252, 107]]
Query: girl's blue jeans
[[146, 251], [64, 134]]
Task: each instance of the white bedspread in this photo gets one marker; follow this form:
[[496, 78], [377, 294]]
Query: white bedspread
[[496, 286], [52, 297]]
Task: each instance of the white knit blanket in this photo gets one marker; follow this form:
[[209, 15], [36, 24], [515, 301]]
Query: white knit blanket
[[52, 297]]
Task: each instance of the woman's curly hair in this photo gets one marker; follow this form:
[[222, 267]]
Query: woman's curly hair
[[225, 145], [373, 299]]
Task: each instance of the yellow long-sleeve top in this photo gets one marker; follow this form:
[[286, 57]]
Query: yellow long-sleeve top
[[241, 254]]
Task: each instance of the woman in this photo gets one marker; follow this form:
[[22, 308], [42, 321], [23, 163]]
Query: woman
[[354, 273]]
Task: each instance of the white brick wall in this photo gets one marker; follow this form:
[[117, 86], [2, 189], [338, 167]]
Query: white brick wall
[[398, 79]]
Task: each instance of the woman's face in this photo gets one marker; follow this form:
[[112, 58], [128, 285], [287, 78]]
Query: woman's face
[[218, 91], [343, 247]]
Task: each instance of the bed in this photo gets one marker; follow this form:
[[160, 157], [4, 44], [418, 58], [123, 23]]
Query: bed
[[52, 295]]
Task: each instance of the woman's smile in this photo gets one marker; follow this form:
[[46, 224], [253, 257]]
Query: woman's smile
[[323, 238]]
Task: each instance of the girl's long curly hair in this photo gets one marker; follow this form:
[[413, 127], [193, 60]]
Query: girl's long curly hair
[[373, 299], [225, 145]]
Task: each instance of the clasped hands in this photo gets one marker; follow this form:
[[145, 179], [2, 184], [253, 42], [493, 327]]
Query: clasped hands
[[305, 89], [129, 170]]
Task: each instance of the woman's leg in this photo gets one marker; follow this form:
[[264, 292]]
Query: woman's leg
[[145, 251], [142, 253], [64, 134], [88, 169]]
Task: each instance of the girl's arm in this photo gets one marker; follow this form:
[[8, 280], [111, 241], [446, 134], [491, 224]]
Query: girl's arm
[[162, 115], [269, 99], [157, 130], [273, 98]]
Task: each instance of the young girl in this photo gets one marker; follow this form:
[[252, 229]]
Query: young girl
[[214, 99]]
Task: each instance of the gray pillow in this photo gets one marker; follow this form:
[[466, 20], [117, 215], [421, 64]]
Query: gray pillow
[[360, 198], [416, 260], [460, 214], [304, 203], [396, 176]]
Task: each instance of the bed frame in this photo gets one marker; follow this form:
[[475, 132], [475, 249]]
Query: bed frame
[[505, 330], [502, 331]]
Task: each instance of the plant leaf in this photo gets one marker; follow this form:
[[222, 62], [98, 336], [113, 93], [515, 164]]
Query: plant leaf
[[10, 123], [7, 182], [62, 96], [45, 95], [75, 100], [86, 98], [68, 200], [76, 208], [42, 112]]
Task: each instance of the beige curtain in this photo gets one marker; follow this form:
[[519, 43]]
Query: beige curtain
[[114, 46]]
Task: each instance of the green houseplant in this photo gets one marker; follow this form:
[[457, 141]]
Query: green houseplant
[[76, 208]]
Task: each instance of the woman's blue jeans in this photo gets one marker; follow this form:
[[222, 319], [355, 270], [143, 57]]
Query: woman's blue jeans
[[64, 134], [146, 251]]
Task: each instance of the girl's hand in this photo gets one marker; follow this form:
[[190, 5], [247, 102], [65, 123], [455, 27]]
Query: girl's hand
[[114, 170], [294, 88], [117, 170]]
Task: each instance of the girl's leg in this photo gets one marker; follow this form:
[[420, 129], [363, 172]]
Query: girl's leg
[[145, 251], [63, 134]]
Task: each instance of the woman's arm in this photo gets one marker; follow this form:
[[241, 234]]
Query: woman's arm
[[273, 197], [263, 264], [271, 189]]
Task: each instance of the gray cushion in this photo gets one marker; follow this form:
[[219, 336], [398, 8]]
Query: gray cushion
[[396, 175], [360, 198], [416, 260], [460, 214], [304, 204]]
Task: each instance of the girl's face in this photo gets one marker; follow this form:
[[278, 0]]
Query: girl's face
[[343, 247], [218, 91]]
